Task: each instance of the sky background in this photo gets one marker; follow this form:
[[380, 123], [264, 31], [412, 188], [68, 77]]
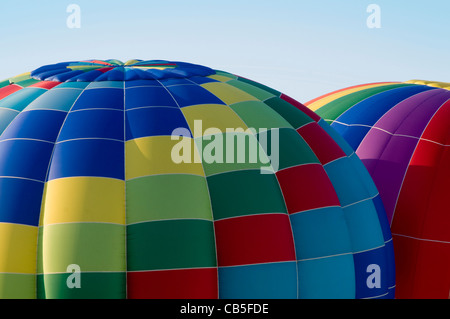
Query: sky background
[[301, 48]]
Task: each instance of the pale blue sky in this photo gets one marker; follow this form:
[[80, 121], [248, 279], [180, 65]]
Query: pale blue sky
[[302, 48]]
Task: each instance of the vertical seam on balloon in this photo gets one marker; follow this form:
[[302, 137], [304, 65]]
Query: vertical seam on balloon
[[43, 195], [37, 241], [292, 234], [281, 191], [379, 222], [362, 182], [404, 177], [342, 209], [412, 155], [390, 138], [206, 182], [125, 189], [409, 162], [390, 134], [285, 205]]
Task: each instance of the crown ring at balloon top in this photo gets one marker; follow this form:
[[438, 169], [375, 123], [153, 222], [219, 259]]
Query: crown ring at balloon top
[[115, 70]]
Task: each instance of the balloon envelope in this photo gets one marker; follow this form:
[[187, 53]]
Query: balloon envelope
[[129, 180], [401, 132]]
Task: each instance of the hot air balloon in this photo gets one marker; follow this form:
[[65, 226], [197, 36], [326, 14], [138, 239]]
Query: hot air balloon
[[401, 133], [159, 179]]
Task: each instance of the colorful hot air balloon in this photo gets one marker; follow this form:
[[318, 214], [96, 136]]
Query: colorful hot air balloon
[[401, 132], [106, 192]]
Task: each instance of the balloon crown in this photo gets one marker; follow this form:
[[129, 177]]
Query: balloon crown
[[437, 84], [115, 70]]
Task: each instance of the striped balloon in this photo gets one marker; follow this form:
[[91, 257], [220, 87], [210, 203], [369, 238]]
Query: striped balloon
[[106, 190], [401, 132]]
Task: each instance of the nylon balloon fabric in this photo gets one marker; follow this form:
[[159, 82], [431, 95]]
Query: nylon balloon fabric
[[401, 132], [117, 180]]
